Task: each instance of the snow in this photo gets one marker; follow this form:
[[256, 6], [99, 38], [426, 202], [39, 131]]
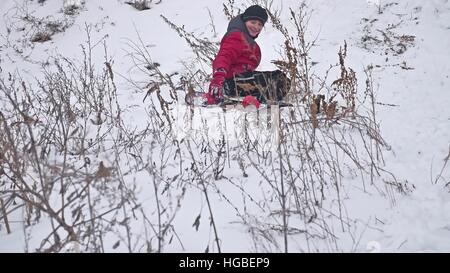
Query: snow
[[414, 116]]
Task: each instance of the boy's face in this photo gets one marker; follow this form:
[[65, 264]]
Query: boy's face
[[254, 27]]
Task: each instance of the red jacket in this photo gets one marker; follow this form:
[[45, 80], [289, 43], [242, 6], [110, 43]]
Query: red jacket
[[238, 50]]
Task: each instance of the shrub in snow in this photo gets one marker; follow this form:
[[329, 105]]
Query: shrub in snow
[[77, 97], [41, 36], [72, 7], [141, 4]]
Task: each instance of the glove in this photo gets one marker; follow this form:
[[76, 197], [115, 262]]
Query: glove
[[250, 100], [215, 94]]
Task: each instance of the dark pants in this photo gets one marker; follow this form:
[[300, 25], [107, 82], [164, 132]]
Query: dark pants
[[264, 85]]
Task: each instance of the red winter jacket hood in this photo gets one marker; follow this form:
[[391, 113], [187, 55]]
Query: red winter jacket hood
[[238, 51]]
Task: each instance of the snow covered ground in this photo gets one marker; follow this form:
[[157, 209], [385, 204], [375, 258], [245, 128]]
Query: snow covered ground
[[406, 43]]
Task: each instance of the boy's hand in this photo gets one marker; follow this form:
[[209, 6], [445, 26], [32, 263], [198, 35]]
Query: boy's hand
[[216, 86]]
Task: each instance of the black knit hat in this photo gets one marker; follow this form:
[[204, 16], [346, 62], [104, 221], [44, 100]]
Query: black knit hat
[[255, 12]]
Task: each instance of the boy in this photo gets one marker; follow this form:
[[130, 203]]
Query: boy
[[239, 55]]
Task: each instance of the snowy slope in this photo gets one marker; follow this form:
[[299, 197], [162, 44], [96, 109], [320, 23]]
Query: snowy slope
[[413, 112]]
